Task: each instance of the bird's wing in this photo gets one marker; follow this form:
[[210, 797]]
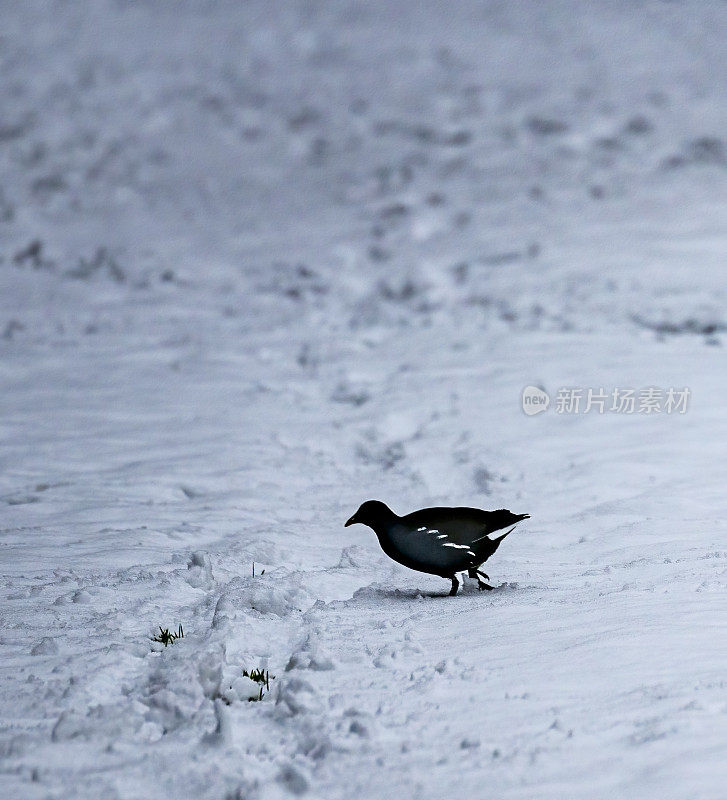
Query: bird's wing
[[461, 525], [431, 545], [449, 537]]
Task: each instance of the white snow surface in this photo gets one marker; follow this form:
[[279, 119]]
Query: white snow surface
[[260, 262]]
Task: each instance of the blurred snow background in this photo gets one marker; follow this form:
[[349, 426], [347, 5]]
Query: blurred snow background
[[260, 262]]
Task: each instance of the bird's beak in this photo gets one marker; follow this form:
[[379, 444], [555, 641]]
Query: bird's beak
[[350, 521]]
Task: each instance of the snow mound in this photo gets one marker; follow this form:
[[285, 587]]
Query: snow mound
[[199, 573], [45, 647], [310, 655], [267, 594]]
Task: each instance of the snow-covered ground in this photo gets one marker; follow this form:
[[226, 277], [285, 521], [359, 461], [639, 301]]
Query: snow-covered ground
[[260, 262]]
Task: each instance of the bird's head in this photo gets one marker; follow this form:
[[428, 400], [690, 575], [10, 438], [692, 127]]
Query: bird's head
[[373, 513]]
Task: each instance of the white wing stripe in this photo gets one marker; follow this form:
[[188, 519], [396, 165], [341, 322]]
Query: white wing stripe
[[445, 536]]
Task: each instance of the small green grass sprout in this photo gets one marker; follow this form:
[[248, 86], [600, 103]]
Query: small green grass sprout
[[261, 676], [167, 637]]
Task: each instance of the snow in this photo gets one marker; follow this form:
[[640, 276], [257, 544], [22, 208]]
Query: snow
[[259, 265]]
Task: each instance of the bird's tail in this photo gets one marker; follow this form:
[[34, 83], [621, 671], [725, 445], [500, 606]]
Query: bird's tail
[[500, 519]]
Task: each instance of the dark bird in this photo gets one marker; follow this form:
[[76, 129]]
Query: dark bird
[[440, 541]]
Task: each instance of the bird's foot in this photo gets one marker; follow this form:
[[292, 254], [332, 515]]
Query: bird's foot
[[478, 575], [455, 586]]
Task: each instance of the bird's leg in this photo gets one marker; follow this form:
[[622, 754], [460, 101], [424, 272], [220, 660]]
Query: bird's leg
[[481, 585], [455, 586]]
